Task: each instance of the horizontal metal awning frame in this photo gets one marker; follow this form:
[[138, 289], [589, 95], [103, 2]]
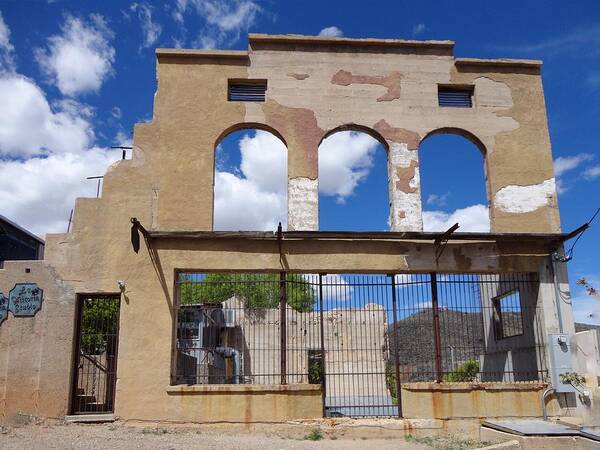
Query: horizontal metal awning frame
[[552, 240]]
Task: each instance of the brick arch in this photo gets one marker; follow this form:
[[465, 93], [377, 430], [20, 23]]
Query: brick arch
[[459, 132], [242, 126], [249, 126], [472, 139], [357, 127]]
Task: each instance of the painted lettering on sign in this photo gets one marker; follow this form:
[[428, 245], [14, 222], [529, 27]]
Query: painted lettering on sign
[[3, 307], [25, 299]]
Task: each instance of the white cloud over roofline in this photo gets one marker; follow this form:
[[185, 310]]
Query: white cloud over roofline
[[80, 58]]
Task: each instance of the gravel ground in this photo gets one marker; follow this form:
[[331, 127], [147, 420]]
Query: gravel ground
[[111, 436]]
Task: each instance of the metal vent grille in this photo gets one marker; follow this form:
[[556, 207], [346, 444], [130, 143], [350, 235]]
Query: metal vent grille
[[455, 97], [247, 91]]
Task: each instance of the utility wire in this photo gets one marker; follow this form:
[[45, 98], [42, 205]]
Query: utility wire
[[589, 223]]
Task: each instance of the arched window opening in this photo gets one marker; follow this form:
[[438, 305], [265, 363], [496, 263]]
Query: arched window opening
[[453, 187], [353, 183], [250, 184]]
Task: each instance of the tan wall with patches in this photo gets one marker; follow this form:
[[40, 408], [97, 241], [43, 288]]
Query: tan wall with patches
[[168, 185], [35, 352]]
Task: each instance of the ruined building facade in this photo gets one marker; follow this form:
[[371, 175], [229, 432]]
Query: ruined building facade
[[399, 92]]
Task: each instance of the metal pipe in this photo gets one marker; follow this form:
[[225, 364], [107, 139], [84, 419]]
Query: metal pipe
[[229, 352], [544, 409], [396, 345], [437, 338], [557, 294], [283, 326], [322, 331]]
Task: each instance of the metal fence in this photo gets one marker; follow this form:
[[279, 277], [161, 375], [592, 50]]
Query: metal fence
[[359, 335]]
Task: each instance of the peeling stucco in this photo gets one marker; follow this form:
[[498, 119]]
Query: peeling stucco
[[405, 177], [299, 126], [303, 204], [400, 135], [404, 181], [391, 82], [523, 199], [492, 94]]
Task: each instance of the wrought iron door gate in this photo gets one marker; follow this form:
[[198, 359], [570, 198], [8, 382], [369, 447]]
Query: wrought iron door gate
[[95, 362]]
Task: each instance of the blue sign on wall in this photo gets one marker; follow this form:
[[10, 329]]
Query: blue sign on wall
[[25, 299], [3, 307]]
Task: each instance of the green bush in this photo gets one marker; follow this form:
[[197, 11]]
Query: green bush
[[465, 372]]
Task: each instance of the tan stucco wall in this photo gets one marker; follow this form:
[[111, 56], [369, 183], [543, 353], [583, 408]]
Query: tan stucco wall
[[477, 400], [168, 185], [35, 352]]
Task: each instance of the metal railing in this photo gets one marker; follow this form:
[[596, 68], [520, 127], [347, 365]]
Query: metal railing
[[359, 335]]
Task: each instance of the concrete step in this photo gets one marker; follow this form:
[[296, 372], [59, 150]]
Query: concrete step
[[90, 418]]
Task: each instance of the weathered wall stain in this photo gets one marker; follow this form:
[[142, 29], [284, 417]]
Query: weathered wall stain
[[410, 138], [405, 176], [391, 82], [299, 126], [298, 76]]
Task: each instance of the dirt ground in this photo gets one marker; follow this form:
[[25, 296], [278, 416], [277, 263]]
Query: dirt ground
[[118, 436]]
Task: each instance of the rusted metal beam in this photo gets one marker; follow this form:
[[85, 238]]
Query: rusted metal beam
[[437, 338], [396, 346], [283, 326], [322, 331]]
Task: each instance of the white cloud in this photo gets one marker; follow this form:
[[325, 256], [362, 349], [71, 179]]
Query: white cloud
[[253, 196], [567, 163], [591, 173], [564, 164], [581, 41], [151, 30], [45, 153], [331, 31], [30, 127], [335, 287], [6, 48], [116, 112], [345, 159], [418, 29], [224, 20], [474, 218], [438, 200], [39, 193], [123, 140], [80, 58]]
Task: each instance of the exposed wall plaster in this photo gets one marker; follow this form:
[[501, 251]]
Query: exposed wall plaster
[[406, 176], [492, 94], [391, 82], [522, 199], [404, 185], [299, 126], [303, 204], [400, 135]]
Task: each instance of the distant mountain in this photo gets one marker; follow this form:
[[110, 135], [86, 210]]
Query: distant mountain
[[462, 339]]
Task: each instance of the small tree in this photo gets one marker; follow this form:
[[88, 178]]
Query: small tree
[[258, 290]]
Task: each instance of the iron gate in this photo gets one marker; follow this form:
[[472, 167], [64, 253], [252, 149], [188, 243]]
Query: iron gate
[[361, 336], [95, 362]]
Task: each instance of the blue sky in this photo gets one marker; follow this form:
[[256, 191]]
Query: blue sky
[[75, 76]]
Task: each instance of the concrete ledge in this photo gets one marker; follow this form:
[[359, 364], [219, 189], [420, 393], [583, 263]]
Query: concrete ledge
[[505, 62], [241, 388], [90, 418], [358, 42], [490, 386]]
